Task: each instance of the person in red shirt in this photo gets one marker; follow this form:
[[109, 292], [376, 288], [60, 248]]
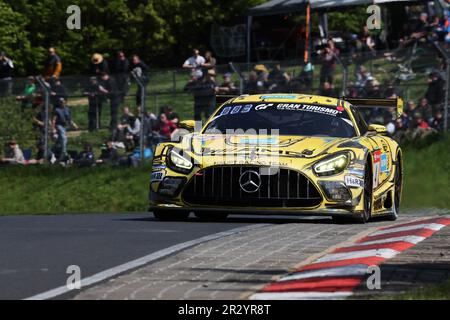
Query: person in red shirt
[[166, 127]]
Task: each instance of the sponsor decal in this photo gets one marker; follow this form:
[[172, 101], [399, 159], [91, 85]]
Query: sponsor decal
[[376, 167], [263, 106], [354, 182], [157, 176], [246, 108], [384, 164], [258, 141], [309, 108], [236, 109], [279, 97]]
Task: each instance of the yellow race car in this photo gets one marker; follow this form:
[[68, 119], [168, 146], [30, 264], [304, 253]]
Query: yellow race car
[[283, 154]]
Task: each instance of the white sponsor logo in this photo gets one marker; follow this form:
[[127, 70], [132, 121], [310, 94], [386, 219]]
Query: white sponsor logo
[[74, 280], [263, 106], [354, 182]]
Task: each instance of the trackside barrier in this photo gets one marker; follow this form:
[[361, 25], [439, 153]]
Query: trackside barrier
[[446, 56]]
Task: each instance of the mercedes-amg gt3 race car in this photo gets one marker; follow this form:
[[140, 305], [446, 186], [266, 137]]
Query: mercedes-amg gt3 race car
[[281, 154]]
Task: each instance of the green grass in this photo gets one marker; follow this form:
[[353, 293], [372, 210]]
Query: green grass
[[35, 190], [51, 190], [432, 292], [426, 172]]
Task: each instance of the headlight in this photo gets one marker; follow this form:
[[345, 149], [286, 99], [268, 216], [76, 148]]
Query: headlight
[[179, 163], [331, 165]]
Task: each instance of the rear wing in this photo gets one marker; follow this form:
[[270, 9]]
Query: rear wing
[[396, 103]]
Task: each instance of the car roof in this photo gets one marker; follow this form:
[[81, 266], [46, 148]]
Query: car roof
[[289, 98]]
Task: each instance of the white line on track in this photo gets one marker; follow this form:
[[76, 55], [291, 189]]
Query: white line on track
[[382, 253], [352, 270], [432, 226], [300, 295], [410, 239], [101, 276]]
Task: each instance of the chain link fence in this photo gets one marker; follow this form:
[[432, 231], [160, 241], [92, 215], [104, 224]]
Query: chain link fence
[[96, 114]]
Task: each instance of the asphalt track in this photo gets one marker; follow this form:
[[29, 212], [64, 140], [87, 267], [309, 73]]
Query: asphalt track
[[35, 251]]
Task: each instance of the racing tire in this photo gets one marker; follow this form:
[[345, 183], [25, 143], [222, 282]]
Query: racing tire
[[398, 186], [206, 216], [170, 215]]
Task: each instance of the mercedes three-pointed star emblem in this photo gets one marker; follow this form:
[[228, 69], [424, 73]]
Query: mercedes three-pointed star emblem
[[250, 181]]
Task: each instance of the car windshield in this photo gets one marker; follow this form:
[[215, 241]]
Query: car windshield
[[293, 119]]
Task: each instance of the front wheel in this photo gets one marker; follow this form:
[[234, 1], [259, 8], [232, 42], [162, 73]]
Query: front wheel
[[398, 183], [170, 215]]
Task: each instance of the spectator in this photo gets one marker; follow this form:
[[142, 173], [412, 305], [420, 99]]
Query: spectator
[[373, 89], [148, 124], [27, 98], [108, 154], [262, 75], [435, 92], [437, 122], [86, 157], [421, 28], [210, 61], [14, 154], [128, 130], [58, 92], [303, 83], [98, 65], [278, 79], [53, 65], [329, 60], [121, 69], [165, 128], [95, 99], [108, 88], [227, 86], [368, 41], [204, 91], [171, 115], [328, 90], [425, 109], [252, 85], [195, 64], [141, 70], [60, 119], [6, 72]]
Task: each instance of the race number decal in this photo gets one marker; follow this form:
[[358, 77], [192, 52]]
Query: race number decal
[[376, 167], [157, 176]]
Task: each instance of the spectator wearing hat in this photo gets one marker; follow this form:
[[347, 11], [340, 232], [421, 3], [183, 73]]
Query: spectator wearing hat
[[98, 65], [53, 65], [13, 154], [6, 72], [108, 89], [141, 70], [120, 70], [195, 64]]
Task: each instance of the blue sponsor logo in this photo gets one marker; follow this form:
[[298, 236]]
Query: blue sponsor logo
[[384, 167], [258, 141], [279, 97]]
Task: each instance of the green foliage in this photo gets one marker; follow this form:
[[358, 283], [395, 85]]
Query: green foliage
[[160, 31], [15, 124]]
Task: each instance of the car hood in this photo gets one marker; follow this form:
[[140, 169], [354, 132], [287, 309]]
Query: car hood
[[209, 145]]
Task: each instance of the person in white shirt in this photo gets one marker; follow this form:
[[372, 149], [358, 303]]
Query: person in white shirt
[[195, 64]]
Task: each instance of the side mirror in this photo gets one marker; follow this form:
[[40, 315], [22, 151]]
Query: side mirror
[[189, 125], [378, 129]]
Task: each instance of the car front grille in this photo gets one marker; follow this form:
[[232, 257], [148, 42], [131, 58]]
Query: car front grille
[[220, 185]]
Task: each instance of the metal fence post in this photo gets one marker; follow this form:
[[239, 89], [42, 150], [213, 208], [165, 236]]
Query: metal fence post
[[446, 56], [241, 77], [46, 89], [141, 114]]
